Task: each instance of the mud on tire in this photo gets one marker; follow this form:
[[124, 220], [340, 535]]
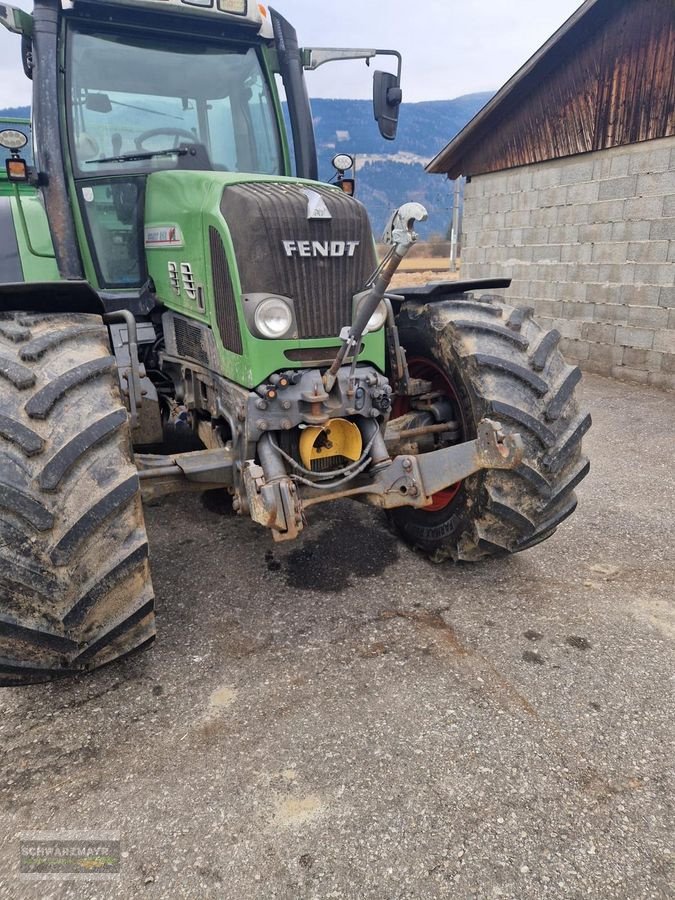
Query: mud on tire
[[502, 365], [75, 589]]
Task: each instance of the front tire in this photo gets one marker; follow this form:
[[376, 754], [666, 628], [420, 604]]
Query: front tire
[[498, 363], [75, 589]]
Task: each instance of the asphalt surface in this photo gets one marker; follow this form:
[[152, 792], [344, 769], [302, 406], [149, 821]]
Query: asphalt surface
[[338, 718]]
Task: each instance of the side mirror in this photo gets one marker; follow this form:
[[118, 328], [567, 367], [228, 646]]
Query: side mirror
[[387, 97]]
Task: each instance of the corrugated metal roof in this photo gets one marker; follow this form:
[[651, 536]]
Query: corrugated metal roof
[[605, 78]]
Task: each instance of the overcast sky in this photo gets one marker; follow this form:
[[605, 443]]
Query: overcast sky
[[449, 47]]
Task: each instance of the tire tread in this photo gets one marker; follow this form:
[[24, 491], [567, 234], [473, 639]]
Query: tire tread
[[513, 373], [69, 504]]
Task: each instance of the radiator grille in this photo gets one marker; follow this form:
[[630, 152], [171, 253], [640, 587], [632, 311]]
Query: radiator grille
[[330, 464], [226, 303], [316, 355], [262, 216], [189, 341]]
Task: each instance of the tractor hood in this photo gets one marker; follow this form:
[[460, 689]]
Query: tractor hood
[[217, 244]]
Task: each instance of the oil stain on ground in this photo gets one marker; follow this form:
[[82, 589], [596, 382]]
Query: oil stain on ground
[[218, 502], [579, 643], [345, 551]]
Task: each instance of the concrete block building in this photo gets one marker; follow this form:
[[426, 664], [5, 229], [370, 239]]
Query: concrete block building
[[571, 188]]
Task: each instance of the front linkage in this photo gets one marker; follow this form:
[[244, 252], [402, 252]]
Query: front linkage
[[277, 500]]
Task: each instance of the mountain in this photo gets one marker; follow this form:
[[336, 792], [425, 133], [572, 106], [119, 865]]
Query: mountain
[[388, 172], [424, 129], [392, 172], [16, 112]]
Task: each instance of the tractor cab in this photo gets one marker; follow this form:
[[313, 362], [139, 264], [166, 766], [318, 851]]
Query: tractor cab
[[136, 87]]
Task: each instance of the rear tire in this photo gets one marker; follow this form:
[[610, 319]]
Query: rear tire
[[502, 365], [75, 589]]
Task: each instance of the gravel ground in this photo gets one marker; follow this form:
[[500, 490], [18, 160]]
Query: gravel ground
[[339, 718]]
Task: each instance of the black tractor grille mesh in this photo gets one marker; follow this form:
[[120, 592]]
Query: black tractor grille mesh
[[226, 303], [330, 464], [262, 216], [189, 342]]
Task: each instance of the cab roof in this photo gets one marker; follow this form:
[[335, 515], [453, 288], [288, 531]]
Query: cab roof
[[247, 13]]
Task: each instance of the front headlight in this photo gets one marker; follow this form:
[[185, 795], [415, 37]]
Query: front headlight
[[273, 318], [378, 318]]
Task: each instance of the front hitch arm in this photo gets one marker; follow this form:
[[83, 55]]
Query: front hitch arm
[[491, 450], [413, 480]]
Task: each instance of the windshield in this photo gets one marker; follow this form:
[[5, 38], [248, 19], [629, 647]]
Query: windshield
[[131, 96]]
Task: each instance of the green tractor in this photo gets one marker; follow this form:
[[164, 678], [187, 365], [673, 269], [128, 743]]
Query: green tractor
[[170, 265]]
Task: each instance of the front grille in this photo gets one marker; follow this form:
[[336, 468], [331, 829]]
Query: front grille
[[262, 216], [189, 341], [225, 301], [316, 355], [330, 464]]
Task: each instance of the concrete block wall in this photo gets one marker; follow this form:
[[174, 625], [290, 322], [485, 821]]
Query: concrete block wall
[[589, 242]]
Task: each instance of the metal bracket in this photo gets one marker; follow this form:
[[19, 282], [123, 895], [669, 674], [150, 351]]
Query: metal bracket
[[273, 504], [398, 362], [16, 20], [399, 230], [132, 372], [491, 450]]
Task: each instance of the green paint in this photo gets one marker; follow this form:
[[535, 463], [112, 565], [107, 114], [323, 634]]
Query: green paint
[[28, 214], [33, 239]]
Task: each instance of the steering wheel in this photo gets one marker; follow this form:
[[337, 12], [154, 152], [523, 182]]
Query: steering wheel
[[171, 132]]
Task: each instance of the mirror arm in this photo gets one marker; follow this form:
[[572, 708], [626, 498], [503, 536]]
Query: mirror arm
[[313, 57], [18, 21], [398, 56]]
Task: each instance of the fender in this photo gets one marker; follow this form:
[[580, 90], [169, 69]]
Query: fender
[[439, 290]]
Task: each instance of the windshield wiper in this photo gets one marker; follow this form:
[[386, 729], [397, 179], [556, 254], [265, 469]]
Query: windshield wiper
[[140, 156]]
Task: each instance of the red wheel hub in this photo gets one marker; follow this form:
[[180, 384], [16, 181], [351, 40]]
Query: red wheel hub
[[426, 370]]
